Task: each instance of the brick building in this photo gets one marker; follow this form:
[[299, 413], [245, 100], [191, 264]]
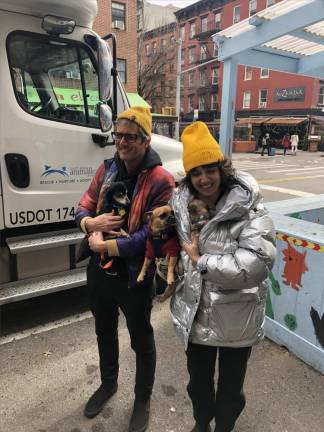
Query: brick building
[[260, 92], [157, 80], [120, 17], [157, 51], [197, 23]]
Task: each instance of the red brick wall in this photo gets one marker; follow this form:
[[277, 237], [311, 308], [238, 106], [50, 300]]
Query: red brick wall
[[126, 39]]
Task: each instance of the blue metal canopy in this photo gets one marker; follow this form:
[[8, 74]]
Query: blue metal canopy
[[286, 37]]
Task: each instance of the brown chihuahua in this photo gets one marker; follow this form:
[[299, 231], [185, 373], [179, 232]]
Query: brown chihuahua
[[162, 245], [199, 213]]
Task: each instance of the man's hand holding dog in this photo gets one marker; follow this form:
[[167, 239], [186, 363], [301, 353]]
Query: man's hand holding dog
[[104, 223], [192, 249]]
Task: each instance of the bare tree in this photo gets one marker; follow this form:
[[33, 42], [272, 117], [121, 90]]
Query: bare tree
[[156, 68]]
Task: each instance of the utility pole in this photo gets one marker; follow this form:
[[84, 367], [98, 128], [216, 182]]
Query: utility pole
[[178, 83]]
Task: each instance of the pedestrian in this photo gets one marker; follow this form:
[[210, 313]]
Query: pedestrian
[[285, 143], [294, 140], [218, 306], [266, 144], [149, 186]]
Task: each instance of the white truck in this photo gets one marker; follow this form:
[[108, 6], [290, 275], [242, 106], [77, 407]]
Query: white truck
[[59, 92]]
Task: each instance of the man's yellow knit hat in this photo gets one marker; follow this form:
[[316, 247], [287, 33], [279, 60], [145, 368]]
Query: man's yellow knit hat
[[199, 147], [141, 116]]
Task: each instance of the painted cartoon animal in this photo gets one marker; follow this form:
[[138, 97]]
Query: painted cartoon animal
[[112, 198], [162, 245], [294, 268], [199, 213], [318, 324]]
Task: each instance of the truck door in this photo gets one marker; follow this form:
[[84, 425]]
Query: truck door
[[49, 96]]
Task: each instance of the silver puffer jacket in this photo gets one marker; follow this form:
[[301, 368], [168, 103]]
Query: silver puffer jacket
[[221, 300]]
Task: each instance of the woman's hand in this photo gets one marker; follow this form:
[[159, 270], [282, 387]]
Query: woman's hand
[[192, 249], [96, 242], [105, 222]]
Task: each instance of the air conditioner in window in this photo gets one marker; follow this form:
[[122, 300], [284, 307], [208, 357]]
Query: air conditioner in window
[[75, 75], [262, 104], [68, 74], [119, 25]]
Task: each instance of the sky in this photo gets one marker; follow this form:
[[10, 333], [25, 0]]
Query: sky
[[178, 3]]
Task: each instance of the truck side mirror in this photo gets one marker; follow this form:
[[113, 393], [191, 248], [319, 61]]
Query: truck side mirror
[[105, 65], [105, 117]]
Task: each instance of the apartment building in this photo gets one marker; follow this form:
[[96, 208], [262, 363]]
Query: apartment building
[[120, 17], [266, 94], [157, 53]]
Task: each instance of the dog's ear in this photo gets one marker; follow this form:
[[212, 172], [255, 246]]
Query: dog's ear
[[147, 216]]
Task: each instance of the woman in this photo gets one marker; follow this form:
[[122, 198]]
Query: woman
[[285, 143], [218, 306]]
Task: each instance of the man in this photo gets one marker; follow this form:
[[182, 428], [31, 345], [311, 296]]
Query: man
[[149, 186], [294, 140], [266, 144]]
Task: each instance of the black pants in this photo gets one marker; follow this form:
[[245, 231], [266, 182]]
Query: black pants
[[265, 148], [229, 401], [108, 294]]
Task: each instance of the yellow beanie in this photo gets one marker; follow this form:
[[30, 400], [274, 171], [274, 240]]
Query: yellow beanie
[[141, 116], [199, 147]]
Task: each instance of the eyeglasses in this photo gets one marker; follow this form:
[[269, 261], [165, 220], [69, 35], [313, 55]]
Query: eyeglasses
[[129, 137]]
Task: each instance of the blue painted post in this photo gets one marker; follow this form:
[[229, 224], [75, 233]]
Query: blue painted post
[[228, 106]]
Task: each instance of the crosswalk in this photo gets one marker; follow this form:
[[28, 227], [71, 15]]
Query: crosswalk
[[280, 167]]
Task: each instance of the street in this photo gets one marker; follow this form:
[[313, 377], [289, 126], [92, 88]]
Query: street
[[49, 362]]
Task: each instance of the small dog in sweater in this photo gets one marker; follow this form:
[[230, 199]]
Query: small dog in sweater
[[162, 245]]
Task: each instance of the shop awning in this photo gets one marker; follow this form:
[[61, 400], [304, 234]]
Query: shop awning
[[251, 120], [317, 119], [136, 100], [286, 121]]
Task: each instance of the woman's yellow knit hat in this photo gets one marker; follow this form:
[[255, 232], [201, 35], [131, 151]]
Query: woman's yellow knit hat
[[139, 115], [199, 147]]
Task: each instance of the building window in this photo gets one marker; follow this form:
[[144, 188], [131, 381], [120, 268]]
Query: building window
[[215, 53], [236, 14], [201, 102], [248, 73], [191, 77], [182, 32], [183, 56], [190, 103], [118, 14], [321, 93], [263, 97], [121, 69], [172, 40], [218, 18], [213, 102], [204, 24], [181, 81], [163, 44], [192, 54], [270, 3], [252, 7], [203, 51], [264, 73], [171, 67], [148, 49], [192, 29], [154, 47], [202, 78], [246, 99], [214, 76]]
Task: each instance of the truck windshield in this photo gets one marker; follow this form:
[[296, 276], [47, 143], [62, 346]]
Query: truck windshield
[[53, 79]]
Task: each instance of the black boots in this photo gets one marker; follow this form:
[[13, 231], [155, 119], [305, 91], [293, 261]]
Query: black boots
[[140, 416], [97, 401], [200, 428]]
